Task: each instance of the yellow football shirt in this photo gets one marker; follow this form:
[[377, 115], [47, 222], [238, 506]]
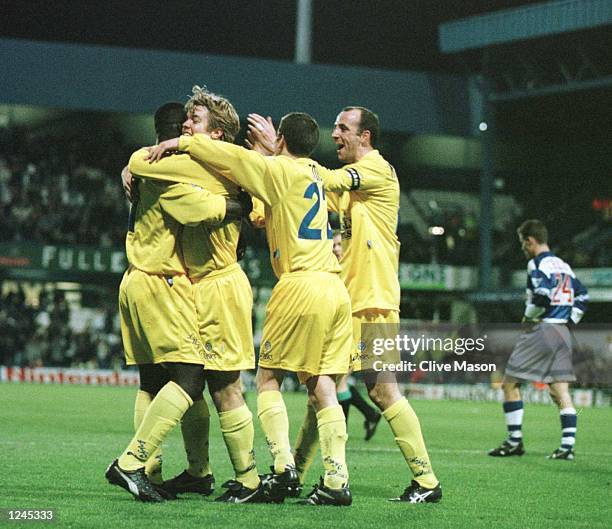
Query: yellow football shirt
[[205, 247], [258, 215], [294, 201], [367, 199], [152, 242]]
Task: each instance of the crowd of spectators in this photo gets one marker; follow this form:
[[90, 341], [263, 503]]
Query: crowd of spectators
[[44, 336], [61, 190]]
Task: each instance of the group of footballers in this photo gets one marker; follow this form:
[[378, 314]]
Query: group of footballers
[[185, 303]]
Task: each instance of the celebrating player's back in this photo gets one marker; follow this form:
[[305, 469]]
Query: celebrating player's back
[[296, 224], [368, 204]]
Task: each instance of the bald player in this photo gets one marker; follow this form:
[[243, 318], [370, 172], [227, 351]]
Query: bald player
[[365, 193]]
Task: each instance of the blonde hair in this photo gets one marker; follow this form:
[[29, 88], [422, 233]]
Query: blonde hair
[[221, 113]]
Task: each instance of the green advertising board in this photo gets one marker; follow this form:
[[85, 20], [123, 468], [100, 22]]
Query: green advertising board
[[83, 262]]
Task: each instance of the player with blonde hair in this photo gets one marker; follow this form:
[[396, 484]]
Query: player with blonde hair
[[307, 328], [158, 316], [223, 298]]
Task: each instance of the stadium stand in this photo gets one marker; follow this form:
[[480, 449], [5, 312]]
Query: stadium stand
[[55, 186], [51, 334], [55, 189]]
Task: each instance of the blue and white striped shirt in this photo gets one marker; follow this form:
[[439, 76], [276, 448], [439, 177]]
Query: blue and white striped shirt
[[554, 293]]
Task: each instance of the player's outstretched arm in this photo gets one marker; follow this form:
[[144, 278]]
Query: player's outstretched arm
[[363, 176], [190, 205], [178, 168], [263, 177], [157, 151], [335, 180]]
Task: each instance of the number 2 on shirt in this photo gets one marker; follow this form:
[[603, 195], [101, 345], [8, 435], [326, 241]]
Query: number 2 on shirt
[[563, 294], [305, 231]]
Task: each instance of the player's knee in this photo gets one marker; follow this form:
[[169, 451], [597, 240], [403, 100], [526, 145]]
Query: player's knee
[[190, 377], [384, 394], [266, 380], [376, 393], [561, 398], [153, 377], [511, 390], [193, 385], [321, 391]]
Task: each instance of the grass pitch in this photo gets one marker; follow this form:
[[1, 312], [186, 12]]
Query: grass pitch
[[56, 442]]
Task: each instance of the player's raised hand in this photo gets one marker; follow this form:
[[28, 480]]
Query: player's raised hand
[[254, 145], [261, 135], [131, 191], [157, 151]]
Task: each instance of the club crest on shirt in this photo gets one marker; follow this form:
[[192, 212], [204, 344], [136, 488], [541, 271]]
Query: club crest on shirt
[[264, 353]]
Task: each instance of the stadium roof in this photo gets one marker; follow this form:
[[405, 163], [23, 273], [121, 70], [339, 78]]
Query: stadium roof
[[537, 21], [397, 34]]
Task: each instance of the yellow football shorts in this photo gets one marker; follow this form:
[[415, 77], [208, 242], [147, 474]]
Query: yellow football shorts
[[158, 319], [224, 304], [307, 328], [370, 326]]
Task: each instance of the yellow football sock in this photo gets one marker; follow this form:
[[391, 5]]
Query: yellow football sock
[[238, 433], [153, 467], [163, 414], [275, 423], [143, 399], [307, 443], [407, 431], [195, 427], [333, 437]]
